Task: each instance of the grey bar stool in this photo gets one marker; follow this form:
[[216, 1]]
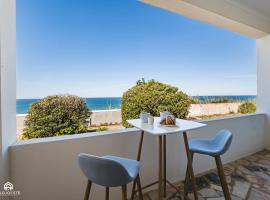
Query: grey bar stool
[[109, 171], [214, 147]]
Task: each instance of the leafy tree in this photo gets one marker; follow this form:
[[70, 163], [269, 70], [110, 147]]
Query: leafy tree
[[247, 107], [56, 115], [153, 97]]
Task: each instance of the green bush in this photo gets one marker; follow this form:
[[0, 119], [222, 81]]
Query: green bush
[[102, 128], [247, 107], [196, 100], [56, 115], [153, 97]]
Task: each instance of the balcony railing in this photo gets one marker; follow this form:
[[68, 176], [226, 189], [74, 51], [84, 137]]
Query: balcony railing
[[47, 168]]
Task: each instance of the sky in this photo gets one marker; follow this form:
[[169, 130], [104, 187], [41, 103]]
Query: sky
[[100, 48]]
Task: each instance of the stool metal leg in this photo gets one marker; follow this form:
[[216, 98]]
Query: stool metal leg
[[138, 159], [164, 167], [190, 168], [124, 192], [139, 187], [133, 190], [187, 178], [222, 178], [107, 193], [160, 166], [87, 191]]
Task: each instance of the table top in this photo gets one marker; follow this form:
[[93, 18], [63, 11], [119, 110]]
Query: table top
[[158, 129]]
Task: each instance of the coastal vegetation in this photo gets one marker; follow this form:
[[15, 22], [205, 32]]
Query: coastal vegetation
[[68, 114], [102, 128], [207, 100], [56, 115], [153, 97], [109, 121], [213, 116], [247, 107]]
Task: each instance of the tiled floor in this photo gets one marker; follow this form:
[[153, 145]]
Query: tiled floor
[[248, 178]]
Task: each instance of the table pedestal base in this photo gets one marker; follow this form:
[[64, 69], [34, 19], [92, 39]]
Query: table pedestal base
[[162, 176]]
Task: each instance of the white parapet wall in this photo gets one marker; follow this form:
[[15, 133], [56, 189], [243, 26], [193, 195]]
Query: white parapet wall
[[213, 109], [47, 168], [106, 117], [20, 118], [102, 117]]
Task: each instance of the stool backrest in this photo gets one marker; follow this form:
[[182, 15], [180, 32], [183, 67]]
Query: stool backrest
[[102, 171], [223, 139]]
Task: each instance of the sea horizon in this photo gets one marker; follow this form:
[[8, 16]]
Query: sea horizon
[[109, 103]]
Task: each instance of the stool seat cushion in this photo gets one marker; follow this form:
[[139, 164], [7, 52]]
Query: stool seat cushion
[[131, 166], [108, 171], [213, 147]]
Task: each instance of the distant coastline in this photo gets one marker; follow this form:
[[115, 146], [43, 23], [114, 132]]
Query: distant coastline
[[109, 103]]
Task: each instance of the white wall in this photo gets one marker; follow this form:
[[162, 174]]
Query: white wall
[[263, 79], [213, 109], [7, 83], [106, 116], [47, 168]]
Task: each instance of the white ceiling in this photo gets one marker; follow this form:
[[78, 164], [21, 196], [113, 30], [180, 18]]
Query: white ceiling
[[249, 17], [260, 7]]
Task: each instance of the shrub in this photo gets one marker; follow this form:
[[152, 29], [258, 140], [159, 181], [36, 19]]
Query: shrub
[[221, 100], [196, 100], [102, 128], [56, 115], [247, 107], [153, 97]]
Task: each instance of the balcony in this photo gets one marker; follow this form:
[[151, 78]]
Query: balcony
[[247, 178], [48, 164], [47, 168]]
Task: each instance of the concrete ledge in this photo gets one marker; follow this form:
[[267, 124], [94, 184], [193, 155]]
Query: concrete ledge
[[231, 117], [73, 137]]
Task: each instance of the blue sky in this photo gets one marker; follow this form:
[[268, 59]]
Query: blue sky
[[100, 48]]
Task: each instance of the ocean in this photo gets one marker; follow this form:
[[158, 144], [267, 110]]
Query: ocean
[[107, 103]]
